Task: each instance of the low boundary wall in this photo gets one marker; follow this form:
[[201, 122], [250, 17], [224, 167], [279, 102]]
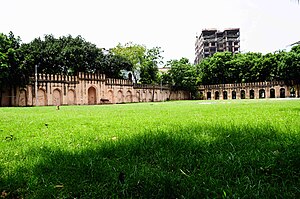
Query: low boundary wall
[[86, 89], [256, 90]]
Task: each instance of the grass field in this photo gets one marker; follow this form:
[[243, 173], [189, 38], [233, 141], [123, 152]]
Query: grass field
[[186, 149]]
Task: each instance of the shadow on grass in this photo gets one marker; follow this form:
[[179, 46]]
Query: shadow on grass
[[196, 162]]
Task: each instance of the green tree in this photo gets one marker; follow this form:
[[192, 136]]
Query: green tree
[[289, 68], [11, 72], [149, 68], [183, 75], [216, 69], [134, 53], [65, 55], [113, 64]]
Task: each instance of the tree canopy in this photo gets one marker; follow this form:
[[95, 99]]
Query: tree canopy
[[144, 61], [70, 55], [11, 71], [181, 76], [226, 67]]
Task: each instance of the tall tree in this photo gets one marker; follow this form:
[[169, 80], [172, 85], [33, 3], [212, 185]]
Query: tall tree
[[134, 53], [11, 73], [65, 55], [113, 65], [149, 67], [183, 75], [289, 68]]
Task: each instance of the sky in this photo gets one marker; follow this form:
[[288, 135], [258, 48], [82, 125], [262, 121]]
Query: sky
[[265, 25]]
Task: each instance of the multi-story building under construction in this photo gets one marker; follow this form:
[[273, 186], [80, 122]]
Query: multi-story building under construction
[[212, 40]]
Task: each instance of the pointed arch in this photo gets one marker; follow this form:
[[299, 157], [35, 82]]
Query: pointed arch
[[41, 97], [128, 96], [56, 97], [110, 96], [92, 97], [71, 96], [243, 94], [272, 93], [217, 95], [120, 97], [22, 97], [282, 93]]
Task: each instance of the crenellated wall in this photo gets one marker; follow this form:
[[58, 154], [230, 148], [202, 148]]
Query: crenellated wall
[[91, 89], [256, 90], [87, 89]]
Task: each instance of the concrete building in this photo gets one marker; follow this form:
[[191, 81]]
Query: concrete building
[[211, 41]]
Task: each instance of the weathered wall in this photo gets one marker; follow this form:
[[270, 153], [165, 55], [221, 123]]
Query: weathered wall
[[255, 90], [85, 89]]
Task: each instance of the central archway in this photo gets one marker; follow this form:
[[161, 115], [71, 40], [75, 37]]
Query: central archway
[[92, 98], [282, 93], [56, 99], [144, 97], [262, 93], [216, 95], [110, 95], [252, 94], [233, 95], [120, 97], [150, 96], [138, 96], [208, 95], [128, 96], [225, 95], [272, 93], [71, 97], [243, 94], [22, 98], [41, 98]]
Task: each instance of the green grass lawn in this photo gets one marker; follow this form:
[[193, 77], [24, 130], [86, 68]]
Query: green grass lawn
[[184, 149]]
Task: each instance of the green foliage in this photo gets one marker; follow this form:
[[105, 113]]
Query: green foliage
[[182, 75], [152, 150], [289, 68], [112, 65], [149, 68], [9, 57], [144, 61], [65, 55], [70, 55], [11, 71], [226, 67], [134, 53]]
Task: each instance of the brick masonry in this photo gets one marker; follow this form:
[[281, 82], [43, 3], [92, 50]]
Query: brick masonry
[[86, 89]]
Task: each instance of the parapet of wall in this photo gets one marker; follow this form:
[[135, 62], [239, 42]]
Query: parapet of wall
[[254, 90], [86, 89]]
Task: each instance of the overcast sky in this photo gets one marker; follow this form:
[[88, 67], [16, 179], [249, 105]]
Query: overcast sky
[[265, 25]]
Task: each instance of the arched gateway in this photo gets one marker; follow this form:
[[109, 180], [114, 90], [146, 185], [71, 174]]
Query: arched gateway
[[92, 98], [251, 90]]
